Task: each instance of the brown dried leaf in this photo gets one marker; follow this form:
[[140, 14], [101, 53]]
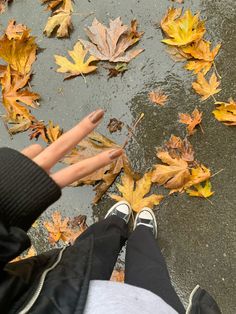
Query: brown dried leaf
[[110, 43], [91, 146], [158, 97], [191, 120], [114, 125]]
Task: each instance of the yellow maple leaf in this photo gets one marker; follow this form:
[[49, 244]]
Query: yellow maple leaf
[[200, 190], [184, 30], [80, 66], [199, 66], [158, 97], [61, 21], [226, 112], [174, 175], [59, 229], [18, 49], [171, 14], [134, 192], [191, 120], [205, 88], [53, 131], [13, 97], [198, 174]]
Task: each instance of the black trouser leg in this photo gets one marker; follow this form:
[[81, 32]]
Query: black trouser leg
[[109, 235], [145, 267]]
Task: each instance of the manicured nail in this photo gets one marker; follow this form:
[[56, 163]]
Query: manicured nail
[[96, 116], [115, 153]]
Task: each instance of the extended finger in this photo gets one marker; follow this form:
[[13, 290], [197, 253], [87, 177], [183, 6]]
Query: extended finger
[[32, 151], [54, 152], [85, 167]]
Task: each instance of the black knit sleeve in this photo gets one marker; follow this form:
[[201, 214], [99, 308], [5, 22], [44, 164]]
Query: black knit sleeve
[[26, 190]]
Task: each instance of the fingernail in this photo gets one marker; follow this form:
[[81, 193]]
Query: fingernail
[[96, 116], [115, 153]]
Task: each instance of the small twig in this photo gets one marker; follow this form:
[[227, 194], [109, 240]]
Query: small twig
[[131, 130], [217, 73], [85, 81], [217, 173]]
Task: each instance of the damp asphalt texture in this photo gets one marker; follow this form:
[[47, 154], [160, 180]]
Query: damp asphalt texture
[[197, 238]]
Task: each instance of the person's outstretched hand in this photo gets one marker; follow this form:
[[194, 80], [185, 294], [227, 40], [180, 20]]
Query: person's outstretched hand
[[48, 157]]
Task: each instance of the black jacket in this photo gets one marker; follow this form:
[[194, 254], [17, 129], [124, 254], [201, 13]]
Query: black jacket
[[56, 281]]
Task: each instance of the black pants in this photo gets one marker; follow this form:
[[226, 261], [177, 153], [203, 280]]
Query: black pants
[[145, 266]]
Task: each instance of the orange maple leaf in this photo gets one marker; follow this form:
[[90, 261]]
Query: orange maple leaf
[[205, 88], [191, 120], [158, 97]]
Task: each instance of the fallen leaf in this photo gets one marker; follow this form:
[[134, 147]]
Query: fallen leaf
[[38, 129], [198, 174], [177, 54], [191, 120], [200, 50], [118, 275], [30, 253], [114, 125], [178, 148], [134, 192], [183, 30], [80, 66], [174, 174], [226, 112], [110, 43], [18, 48], [120, 68], [53, 132], [158, 97], [94, 144], [13, 97], [205, 88], [59, 229], [3, 4], [200, 190], [19, 125], [60, 21], [171, 15]]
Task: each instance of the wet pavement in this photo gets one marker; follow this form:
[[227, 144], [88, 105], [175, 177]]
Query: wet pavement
[[196, 237]]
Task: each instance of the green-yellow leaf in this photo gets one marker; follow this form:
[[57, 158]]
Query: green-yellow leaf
[[200, 190]]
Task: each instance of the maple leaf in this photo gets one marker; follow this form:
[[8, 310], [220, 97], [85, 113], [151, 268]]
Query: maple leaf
[[80, 66], [19, 125], [201, 50], [191, 120], [53, 132], [3, 4], [110, 43], [38, 129], [177, 54], [61, 21], [59, 229], [174, 174], [158, 97], [178, 148], [94, 144], [198, 174], [18, 48], [13, 96], [134, 192], [114, 125], [226, 112], [30, 253], [169, 18], [183, 30], [61, 18], [205, 88], [200, 190]]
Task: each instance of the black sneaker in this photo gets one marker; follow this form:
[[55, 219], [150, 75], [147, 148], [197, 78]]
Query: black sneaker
[[146, 218], [121, 209]]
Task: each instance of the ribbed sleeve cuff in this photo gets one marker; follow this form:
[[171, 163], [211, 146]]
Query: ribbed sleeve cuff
[[26, 190]]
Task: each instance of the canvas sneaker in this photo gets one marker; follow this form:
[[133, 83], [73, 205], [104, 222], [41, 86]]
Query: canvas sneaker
[[146, 218], [121, 209]]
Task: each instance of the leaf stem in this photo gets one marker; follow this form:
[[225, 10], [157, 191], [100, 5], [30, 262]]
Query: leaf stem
[[213, 98], [217, 173], [217, 73]]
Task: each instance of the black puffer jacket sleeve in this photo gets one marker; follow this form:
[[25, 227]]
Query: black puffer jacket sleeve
[[26, 190]]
